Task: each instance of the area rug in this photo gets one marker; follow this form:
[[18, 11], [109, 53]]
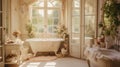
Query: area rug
[[42, 58]]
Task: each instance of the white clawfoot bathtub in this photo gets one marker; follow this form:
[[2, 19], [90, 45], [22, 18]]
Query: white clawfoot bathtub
[[44, 44]]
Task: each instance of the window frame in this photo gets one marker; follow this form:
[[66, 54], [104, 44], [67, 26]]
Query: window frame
[[46, 15], [75, 8]]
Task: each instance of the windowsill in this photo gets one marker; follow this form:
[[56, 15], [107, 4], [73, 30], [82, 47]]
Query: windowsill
[[77, 38]]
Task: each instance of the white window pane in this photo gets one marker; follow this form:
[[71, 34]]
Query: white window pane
[[53, 3], [76, 21], [34, 21], [46, 15], [38, 16], [38, 28], [90, 7], [39, 3], [76, 24], [53, 13], [76, 3], [53, 17], [38, 12], [52, 28], [90, 26], [75, 38], [76, 12], [38, 20]]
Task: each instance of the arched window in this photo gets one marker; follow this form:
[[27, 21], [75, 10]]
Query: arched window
[[45, 15]]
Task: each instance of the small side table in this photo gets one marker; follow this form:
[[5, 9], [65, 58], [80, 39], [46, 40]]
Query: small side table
[[12, 49]]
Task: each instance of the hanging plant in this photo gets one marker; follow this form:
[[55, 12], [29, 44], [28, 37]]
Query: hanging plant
[[111, 21]]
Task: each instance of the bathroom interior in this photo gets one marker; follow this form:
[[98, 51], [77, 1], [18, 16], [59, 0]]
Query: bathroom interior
[[59, 33]]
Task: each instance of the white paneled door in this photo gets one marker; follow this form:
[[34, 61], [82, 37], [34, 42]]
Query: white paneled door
[[75, 28], [83, 25]]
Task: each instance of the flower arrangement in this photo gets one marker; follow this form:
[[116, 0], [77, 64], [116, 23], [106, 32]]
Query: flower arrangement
[[101, 41], [62, 31], [16, 34]]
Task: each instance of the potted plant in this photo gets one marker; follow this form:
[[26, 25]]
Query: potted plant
[[29, 28], [62, 31]]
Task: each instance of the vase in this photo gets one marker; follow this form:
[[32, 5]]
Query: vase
[[109, 41], [64, 51]]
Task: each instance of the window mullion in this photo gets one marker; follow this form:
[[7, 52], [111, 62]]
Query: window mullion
[[49, 13], [45, 16]]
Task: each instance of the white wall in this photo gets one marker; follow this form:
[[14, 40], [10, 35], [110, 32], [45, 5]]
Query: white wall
[[19, 15], [14, 15]]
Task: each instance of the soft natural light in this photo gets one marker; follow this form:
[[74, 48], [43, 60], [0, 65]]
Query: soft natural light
[[51, 63], [50, 11], [49, 4], [77, 4], [41, 12], [45, 13], [41, 4], [22, 64], [33, 64], [36, 63]]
